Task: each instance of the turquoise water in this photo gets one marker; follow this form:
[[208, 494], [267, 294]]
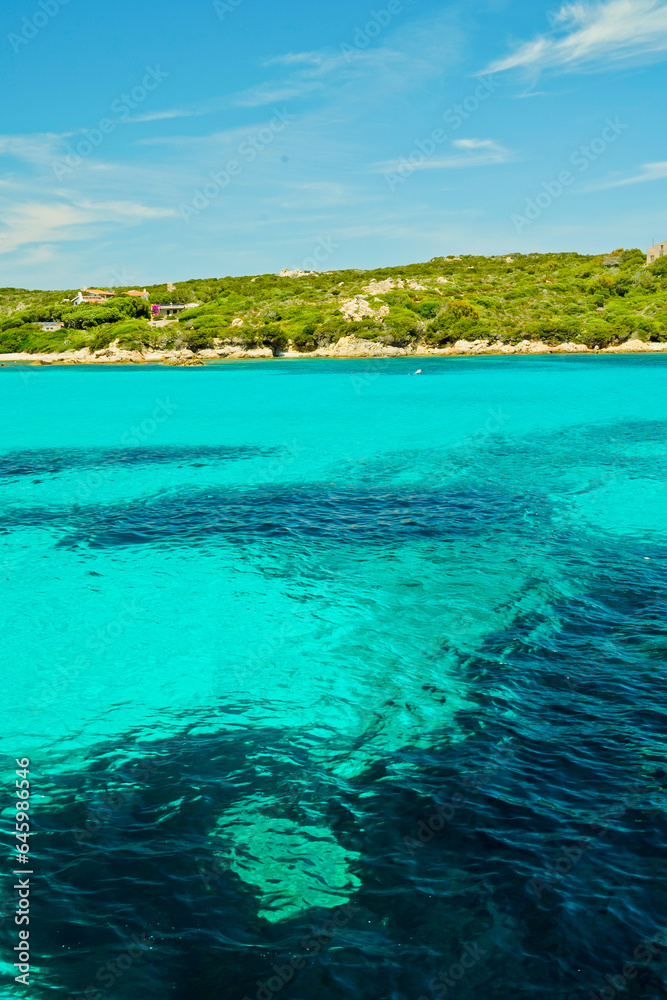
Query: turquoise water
[[264, 620]]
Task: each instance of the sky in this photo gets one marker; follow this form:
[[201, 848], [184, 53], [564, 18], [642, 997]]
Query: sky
[[150, 142]]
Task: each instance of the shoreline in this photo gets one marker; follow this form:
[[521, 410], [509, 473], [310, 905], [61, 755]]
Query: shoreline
[[345, 348]]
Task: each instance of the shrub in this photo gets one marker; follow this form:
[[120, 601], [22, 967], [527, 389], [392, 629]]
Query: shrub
[[131, 334], [198, 340], [553, 330], [462, 309], [275, 338], [462, 329], [11, 340], [603, 284], [123, 307], [597, 333], [99, 340], [658, 269], [365, 329], [395, 298], [609, 284], [305, 340], [457, 310], [403, 327], [427, 309], [265, 336], [250, 338]]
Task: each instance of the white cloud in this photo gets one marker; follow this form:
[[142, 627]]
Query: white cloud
[[159, 116], [38, 148], [117, 210], [213, 140], [588, 35], [43, 223], [476, 153], [649, 172], [295, 59], [268, 93]]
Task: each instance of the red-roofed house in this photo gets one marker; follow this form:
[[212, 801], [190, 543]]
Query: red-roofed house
[[92, 296]]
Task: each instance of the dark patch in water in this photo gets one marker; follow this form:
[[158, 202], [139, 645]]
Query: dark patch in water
[[300, 514], [539, 841], [52, 461]]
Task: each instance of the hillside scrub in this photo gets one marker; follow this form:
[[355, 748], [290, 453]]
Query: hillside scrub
[[598, 301]]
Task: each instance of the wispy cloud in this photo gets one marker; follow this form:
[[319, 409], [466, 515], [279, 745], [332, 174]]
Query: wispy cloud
[[593, 35], [649, 172], [37, 149], [62, 221], [263, 94], [475, 153], [159, 116], [295, 59]]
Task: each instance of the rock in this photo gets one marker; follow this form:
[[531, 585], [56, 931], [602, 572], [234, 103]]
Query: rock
[[359, 307], [380, 287], [630, 346], [570, 348], [259, 352], [355, 347]]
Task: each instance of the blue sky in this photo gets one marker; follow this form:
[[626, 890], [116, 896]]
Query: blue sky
[[162, 141]]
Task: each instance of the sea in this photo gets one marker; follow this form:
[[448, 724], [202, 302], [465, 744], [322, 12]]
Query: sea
[[337, 679]]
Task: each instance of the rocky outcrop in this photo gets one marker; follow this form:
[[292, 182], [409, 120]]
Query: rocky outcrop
[[360, 308], [381, 287], [355, 347], [632, 346], [345, 347]]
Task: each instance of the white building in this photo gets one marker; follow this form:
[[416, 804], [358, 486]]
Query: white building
[[92, 296], [174, 309], [657, 251]]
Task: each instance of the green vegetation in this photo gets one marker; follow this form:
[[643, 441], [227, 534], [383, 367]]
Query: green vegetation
[[598, 301]]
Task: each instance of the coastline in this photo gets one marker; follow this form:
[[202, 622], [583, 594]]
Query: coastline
[[345, 347]]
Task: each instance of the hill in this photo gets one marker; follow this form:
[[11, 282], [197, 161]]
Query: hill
[[597, 301]]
